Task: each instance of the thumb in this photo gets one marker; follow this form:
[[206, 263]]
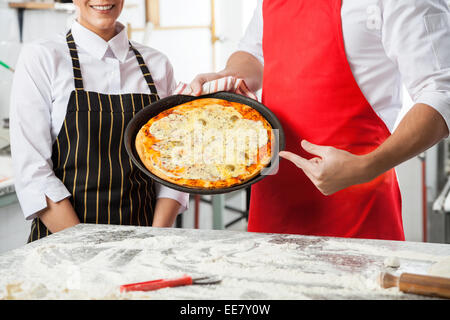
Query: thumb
[[200, 80], [196, 86]]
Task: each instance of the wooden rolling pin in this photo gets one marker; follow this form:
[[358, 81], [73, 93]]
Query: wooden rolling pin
[[418, 284]]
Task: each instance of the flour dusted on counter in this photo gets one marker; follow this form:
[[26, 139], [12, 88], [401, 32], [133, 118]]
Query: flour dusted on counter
[[382, 251], [68, 271], [252, 266], [392, 262], [441, 268]]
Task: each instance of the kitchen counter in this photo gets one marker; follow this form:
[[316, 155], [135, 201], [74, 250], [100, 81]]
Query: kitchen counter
[[7, 190], [92, 261]]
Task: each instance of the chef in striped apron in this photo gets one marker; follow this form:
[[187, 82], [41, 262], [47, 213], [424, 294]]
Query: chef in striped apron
[[72, 98]]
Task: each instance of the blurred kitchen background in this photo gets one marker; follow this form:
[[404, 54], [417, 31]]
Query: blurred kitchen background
[[197, 36]]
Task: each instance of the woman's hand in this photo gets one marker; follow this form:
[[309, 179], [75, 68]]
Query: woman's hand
[[333, 169], [166, 211], [58, 215]]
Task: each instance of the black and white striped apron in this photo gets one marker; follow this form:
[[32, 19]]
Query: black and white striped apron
[[90, 158]]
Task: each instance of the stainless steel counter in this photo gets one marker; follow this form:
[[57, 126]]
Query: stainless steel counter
[[92, 261], [7, 194], [7, 190]]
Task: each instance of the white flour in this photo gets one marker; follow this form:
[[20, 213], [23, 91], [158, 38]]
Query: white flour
[[250, 269], [392, 262], [441, 268]]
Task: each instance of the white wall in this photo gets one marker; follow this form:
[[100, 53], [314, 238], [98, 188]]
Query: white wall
[[233, 17], [37, 24], [190, 50], [409, 176], [14, 229], [9, 52], [9, 36], [410, 182]]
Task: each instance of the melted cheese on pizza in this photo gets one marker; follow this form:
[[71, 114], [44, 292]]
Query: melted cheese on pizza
[[212, 142]]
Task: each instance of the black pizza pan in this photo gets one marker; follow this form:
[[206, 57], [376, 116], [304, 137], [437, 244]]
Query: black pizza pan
[[152, 110]]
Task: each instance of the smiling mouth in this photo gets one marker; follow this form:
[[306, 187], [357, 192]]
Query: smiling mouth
[[103, 8]]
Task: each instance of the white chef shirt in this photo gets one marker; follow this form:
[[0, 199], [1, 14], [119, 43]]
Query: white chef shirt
[[388, 42], [41, 88]]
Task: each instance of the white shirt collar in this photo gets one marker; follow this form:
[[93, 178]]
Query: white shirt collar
[[96, 46]]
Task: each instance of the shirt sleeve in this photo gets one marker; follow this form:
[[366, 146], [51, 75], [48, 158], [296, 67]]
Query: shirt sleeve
[[252, 40], [181, 197], [30, 132], [416, 36], [161, 70], [171, 83]]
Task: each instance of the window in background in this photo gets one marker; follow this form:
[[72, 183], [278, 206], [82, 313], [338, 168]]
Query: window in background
[[184, 32], [182, 13], [197, 35], [180, 29], [134, 17]]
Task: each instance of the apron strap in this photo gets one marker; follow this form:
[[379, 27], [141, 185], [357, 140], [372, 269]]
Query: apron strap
[[77, 79], [145, 71]]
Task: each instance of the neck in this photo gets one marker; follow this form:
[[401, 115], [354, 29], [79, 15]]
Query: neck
[[106, 34]]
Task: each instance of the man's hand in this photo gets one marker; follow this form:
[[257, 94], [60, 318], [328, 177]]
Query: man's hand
[[201, 79], [333, 169], [207, 83], [243, 74]]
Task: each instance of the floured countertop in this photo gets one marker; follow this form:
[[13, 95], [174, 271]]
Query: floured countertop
[[92, 261]]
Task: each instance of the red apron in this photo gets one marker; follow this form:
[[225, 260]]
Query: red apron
[[309, 85]]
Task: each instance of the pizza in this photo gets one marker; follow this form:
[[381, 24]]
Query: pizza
[[206, 144]]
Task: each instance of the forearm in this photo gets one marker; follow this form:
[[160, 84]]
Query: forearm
[[59, 216], [334, 169], [166, 210], [421, 128], [245, 66]]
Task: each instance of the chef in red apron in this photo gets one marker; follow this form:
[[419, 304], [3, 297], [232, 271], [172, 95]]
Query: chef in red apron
[[305, 55]]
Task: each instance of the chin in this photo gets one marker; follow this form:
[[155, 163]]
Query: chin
[[104, 24]]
